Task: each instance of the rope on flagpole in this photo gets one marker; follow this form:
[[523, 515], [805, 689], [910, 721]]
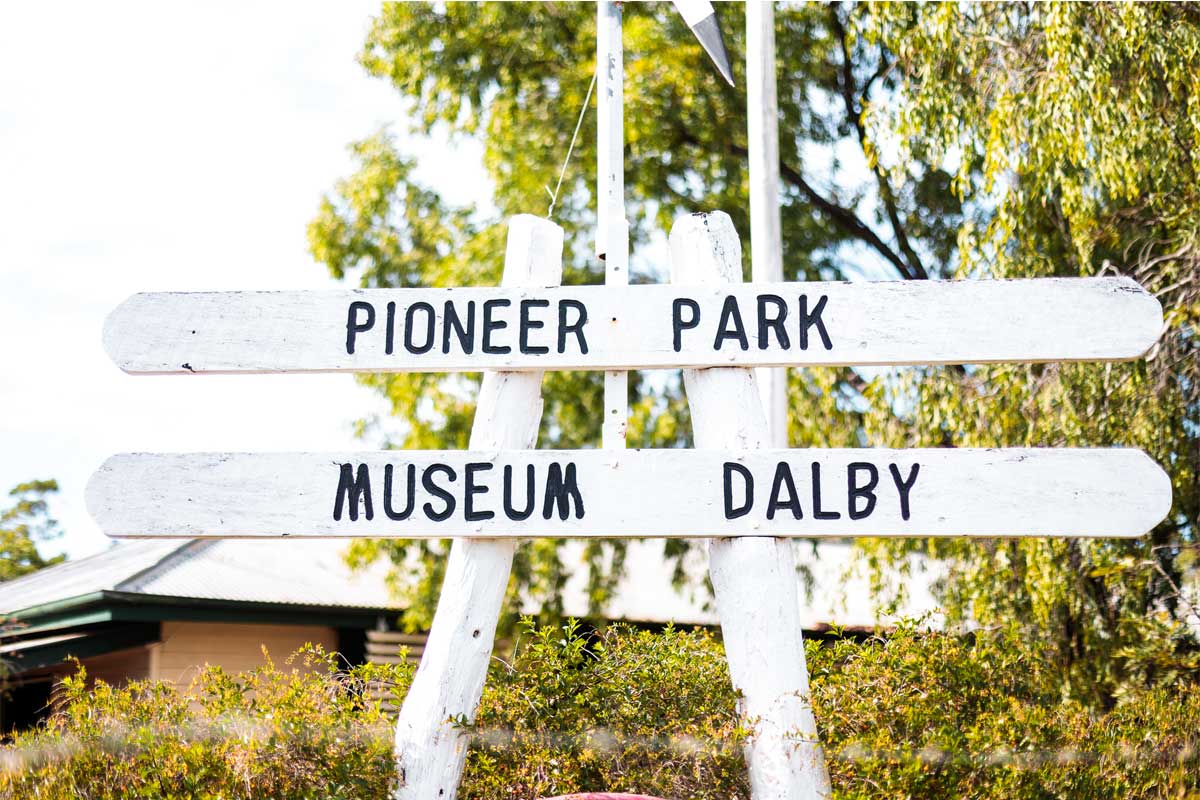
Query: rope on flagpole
[[570, 149]]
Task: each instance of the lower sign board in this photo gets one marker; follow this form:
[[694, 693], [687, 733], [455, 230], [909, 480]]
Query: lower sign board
[[636, 493], [634, 327]]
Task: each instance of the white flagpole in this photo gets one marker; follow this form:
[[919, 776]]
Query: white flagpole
[[766, 240], [612, 234]]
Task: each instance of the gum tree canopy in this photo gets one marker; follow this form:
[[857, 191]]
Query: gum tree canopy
[[23, 525], [917, 142]]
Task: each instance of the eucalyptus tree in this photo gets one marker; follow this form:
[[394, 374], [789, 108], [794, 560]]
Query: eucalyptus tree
[[23, 525], [916, 142], [1071, 130]]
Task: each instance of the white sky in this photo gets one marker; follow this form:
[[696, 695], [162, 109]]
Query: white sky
[[170, 146]]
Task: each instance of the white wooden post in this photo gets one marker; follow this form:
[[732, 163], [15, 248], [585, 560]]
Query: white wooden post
[[754, 579], [612, 229], [430, 751], [766, 240]]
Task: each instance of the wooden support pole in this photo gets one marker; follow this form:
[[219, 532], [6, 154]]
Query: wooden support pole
[[612, 229], [754, 579], [430, 750], [766, 239]]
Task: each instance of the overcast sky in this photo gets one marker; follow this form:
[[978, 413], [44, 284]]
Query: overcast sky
[[170, 146]]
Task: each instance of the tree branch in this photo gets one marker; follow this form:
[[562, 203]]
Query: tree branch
[[843, 218], [853, 105]]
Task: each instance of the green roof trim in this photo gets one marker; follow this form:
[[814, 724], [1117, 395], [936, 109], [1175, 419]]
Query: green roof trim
[[59, 622], [56, 607], [110, 606]]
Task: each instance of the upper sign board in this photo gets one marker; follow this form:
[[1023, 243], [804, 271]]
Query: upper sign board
[[637, 327], [669, 492]]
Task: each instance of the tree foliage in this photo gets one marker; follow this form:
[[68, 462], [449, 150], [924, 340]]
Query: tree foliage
[[1071, 131], [22, 526], [917, 141], [516, 75]]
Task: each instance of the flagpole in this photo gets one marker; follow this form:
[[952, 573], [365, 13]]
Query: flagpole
[[766, 240], [612, 233]]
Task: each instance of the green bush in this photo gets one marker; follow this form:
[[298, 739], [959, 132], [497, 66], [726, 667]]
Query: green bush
[[270, 733], [625, 711], [935, 715], [917, 714]]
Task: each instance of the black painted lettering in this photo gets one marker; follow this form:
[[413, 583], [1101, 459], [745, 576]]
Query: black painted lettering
[[747, 482], [470, 489], [678, 323], [490, 325], [818, 513], [387, 493], [410, 324], [854, 491], [560, 490], [356, 489], [509, 510], [438, 492], [389, 338], [353, 326], [808, 320], [528, 324], [452, 322], [730, 325], [575, 327], [783, 480], [904, 486], [768, 322]]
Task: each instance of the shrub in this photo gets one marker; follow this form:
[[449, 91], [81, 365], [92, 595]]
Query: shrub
[[934, 715], [918, 714], [269, 733], [625, 710]]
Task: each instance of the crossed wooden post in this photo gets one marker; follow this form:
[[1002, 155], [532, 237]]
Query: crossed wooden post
[[430, 748], [754, 578], [733, 488], [743, 497]]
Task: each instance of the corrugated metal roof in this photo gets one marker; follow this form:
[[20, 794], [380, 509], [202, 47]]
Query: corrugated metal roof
[[313, 572], [103, 571], [304, 572], [834, 589]]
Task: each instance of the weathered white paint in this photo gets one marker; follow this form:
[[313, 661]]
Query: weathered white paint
[[754, 580], [766, 238], [612, 229], [430, 750], [888, 322], [610, 125], [636, 493]]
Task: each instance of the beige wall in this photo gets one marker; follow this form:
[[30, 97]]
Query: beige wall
[[187, 646], [117, 668], [113, 668]]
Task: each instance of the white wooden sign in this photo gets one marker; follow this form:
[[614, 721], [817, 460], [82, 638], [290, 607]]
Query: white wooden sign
[[743, 498], [671, 493], [635, 327]]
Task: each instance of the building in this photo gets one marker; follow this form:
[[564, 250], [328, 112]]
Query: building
[[161, 609]]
